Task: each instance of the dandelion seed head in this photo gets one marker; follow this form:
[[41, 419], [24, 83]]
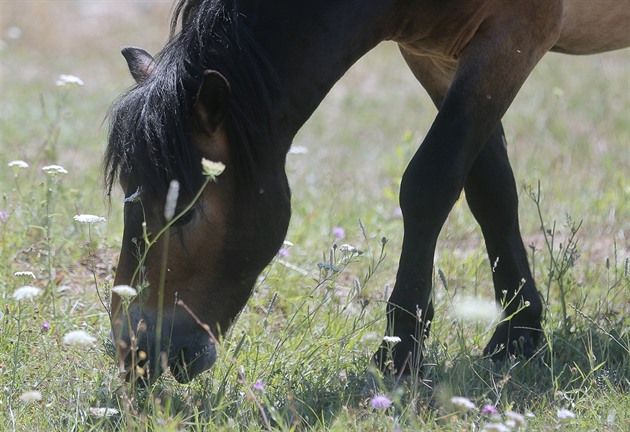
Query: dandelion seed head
[[64, 80], [78, 338], [31, 396], [88, 218], [462, 403], [54, 170], [380, 402], [19, 164], [212, 169], [477, 310], [26, 292], [125, 291]]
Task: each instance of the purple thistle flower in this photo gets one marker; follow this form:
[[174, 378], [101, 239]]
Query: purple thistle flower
[[259, 386], [4, 216], [339, 232], [284, 252], [489, 410], [381, 402], [45, 326]]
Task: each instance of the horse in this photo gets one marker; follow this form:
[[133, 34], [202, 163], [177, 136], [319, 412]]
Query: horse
[[233, 85]]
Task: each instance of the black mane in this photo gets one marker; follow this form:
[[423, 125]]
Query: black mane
[[149, 133]]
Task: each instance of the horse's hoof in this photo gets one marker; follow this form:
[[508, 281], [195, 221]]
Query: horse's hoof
[[514, 339]]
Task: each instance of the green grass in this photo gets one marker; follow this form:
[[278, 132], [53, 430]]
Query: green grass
[[306, 333]]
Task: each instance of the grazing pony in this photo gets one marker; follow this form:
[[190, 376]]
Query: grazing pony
[[236, 83]]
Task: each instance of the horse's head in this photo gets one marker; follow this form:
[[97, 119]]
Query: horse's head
[[194, 277]]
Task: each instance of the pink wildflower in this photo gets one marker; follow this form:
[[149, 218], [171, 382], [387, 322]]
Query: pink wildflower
[[381, 402]]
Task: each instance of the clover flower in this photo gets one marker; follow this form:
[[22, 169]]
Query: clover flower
[[339, 232], [64, 80], [380, 402], [78, 338], [489, 410], [26, 292], [88, 218]]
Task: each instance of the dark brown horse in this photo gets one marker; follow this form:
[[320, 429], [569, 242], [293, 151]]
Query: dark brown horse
[[236, 83]]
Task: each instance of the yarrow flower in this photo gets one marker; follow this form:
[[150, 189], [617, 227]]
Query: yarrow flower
[[212, 169], [125, 291], [489, 410], [26, 274], [259, 386], [565, 414], [391, 339], [54, 169], [88, 218], [79, 338], [462, 403], [26, 292], [31, 396], [68, 80], [381, 402], [17, 164]]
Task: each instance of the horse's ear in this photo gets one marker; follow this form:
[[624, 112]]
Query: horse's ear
[[140, 62], [212, 101]]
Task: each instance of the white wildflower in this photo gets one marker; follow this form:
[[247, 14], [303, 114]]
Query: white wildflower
[[17, 164], [212, 169], [565, 414], [171, 200], [477, 310], [104, 412], [462, 403], [495, 427], [348, 248], [88, 218], [518, 419], [125, 291], [391, 339], [31, 396], [26, 274], [26, 292], [68, 80], [54, 169], [78, 337]]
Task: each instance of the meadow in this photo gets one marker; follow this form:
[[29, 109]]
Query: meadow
[[298, 358]]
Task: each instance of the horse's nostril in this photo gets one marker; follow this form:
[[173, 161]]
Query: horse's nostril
[[189, 364]]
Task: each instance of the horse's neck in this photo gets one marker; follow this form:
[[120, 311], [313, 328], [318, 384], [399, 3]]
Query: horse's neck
[[311, 44]]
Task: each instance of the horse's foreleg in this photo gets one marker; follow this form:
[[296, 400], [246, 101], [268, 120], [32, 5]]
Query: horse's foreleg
[[492, 197], [490, 72]]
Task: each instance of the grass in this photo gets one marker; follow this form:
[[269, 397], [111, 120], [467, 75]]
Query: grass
[[298, 357]]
